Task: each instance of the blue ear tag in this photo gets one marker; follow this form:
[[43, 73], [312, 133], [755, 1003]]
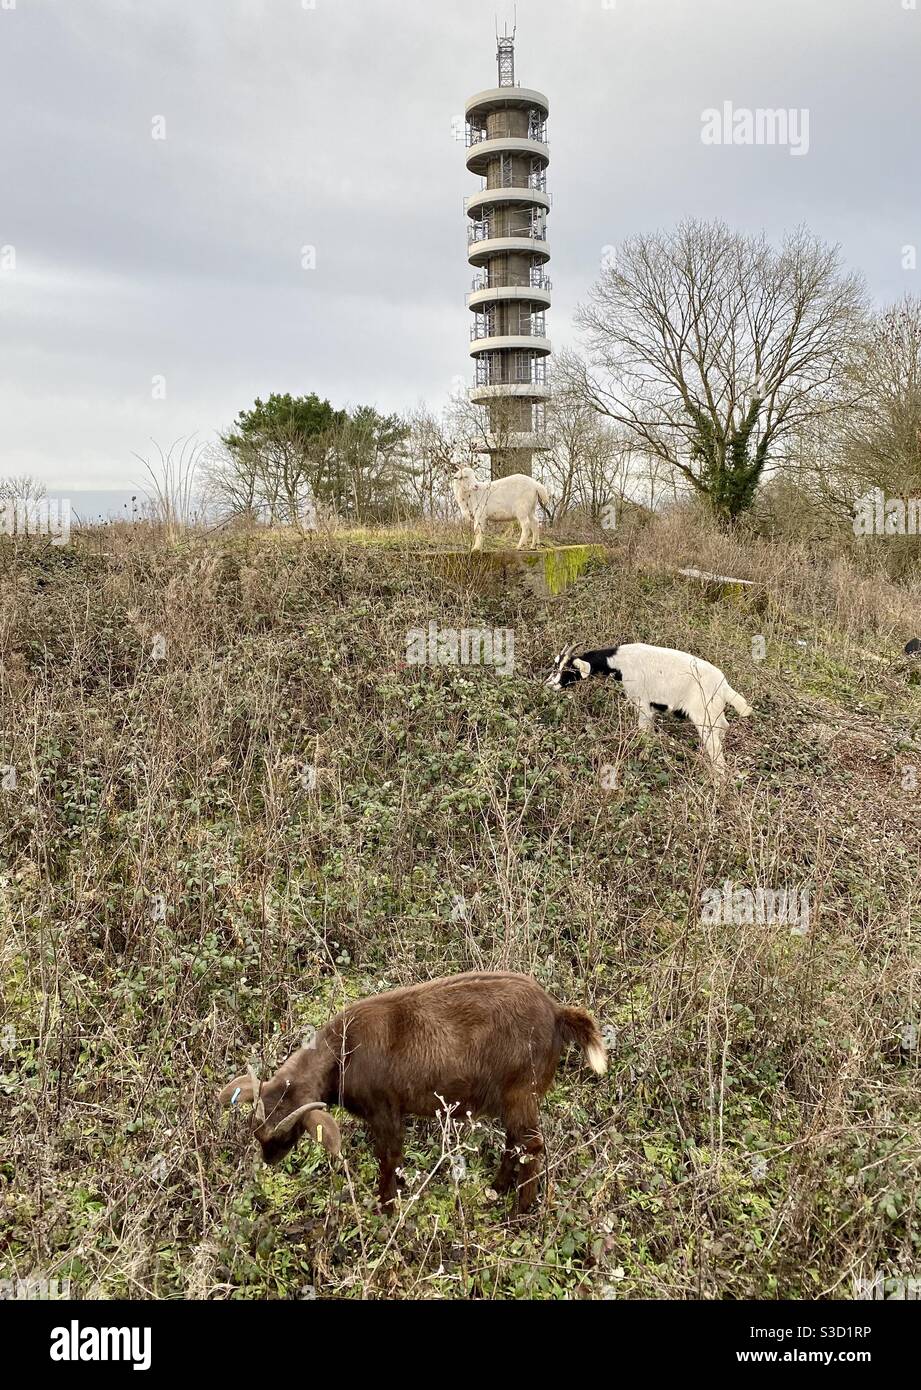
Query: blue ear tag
[[233, 1098]]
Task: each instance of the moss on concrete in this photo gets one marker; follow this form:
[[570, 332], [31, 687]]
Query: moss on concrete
[[564, 563], [548, 572]]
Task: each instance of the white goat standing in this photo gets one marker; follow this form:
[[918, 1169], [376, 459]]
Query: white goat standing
[[513, 498]]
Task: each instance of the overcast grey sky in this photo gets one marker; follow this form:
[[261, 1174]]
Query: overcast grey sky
[[288, 126]]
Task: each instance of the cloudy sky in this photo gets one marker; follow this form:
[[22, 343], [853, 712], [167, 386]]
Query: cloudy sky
[[125, 258]]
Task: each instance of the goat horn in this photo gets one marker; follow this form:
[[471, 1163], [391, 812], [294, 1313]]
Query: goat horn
[[258, 1103], [286, 1125]]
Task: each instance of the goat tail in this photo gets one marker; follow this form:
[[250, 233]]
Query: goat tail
[[543, 496], [738, 702], [577, 1026]]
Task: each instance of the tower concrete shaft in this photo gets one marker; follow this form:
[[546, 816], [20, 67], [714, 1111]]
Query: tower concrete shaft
[[507, 243]]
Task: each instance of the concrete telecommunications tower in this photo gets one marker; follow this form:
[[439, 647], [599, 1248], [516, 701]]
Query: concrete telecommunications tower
[[506, 133]]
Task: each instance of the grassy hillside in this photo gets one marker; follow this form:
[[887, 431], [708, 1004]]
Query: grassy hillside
[[217, 839]]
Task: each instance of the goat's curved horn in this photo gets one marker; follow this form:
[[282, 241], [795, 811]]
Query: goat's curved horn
[[258, 1103], [286, 1125]]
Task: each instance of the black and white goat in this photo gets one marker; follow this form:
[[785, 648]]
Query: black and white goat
[[660, 680]]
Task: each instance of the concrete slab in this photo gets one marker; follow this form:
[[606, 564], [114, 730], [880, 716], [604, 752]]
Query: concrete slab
[[545, 572]]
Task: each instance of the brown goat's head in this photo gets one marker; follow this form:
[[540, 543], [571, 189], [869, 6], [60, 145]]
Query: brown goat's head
[[281, 1114]]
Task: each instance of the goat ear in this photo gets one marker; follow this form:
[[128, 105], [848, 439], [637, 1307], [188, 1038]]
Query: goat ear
[[237, 1092], [583, 667], [323, 1128]]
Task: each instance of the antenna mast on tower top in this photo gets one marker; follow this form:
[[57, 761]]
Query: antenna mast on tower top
[[505, 56]]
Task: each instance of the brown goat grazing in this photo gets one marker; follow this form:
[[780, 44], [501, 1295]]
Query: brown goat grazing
[[485, 1043]]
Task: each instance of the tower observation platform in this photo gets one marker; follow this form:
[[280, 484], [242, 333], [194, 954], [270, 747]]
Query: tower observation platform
[[506, 145]]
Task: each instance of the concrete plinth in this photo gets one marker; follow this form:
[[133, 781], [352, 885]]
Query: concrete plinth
[[546, 572]]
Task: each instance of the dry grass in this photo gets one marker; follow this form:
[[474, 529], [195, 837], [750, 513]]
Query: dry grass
[[759, 1134]]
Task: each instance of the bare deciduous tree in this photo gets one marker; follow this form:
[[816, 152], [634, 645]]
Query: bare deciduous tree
[[231, 482], [435, 448], [588, 463], [22, 488], [882, 442], [712, 348]]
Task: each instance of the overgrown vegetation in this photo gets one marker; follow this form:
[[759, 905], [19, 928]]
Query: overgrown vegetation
[[235, 807]]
